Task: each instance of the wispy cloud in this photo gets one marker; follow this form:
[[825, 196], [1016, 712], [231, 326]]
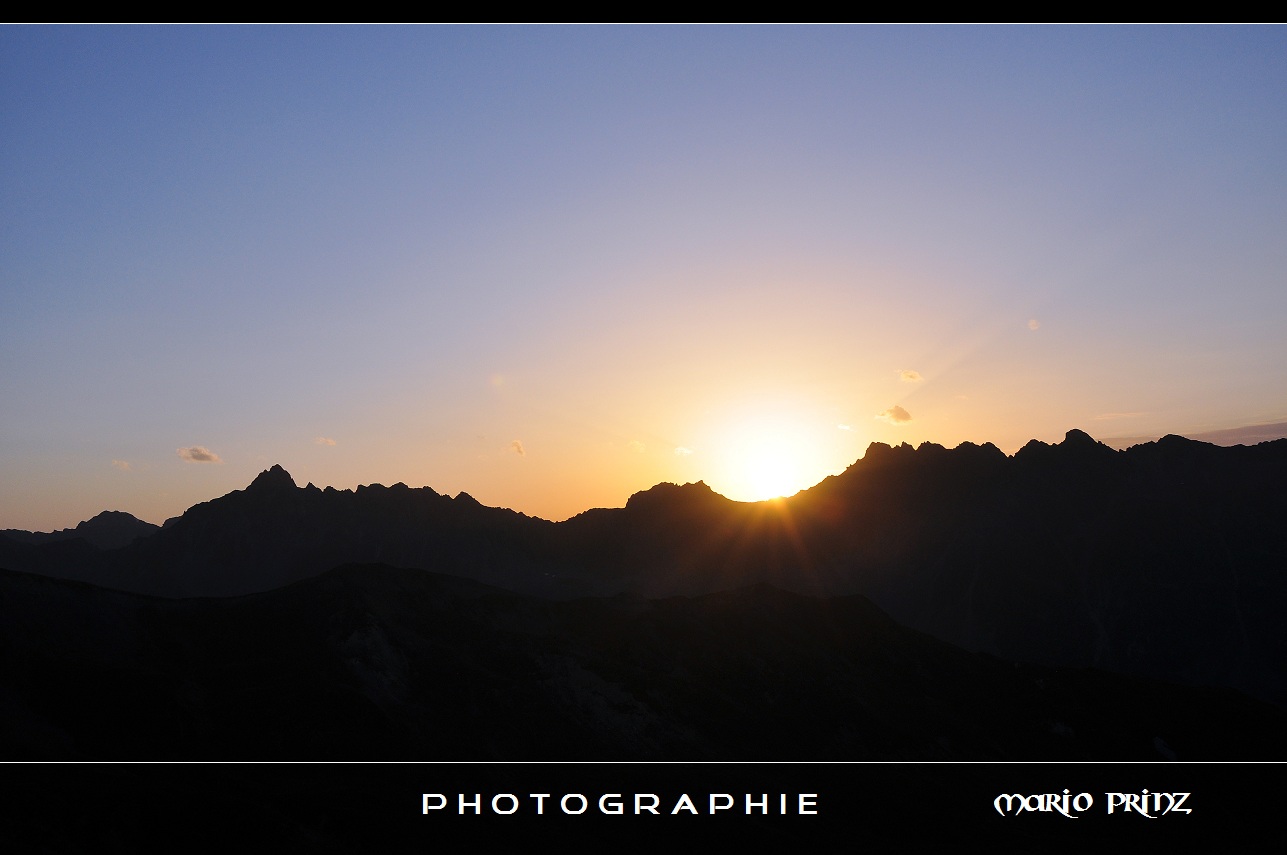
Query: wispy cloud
[[516, 446], [198, 454], [637, 447], [907, 375], [324, 440], [682, 451], [1103, 417], [123, 465], [895, 416], [844, 427], [1249, 435], [1034, 324]]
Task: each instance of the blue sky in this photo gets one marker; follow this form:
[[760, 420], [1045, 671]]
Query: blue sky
[[551, 266]]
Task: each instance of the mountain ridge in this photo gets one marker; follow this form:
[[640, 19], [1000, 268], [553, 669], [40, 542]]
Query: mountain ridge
[[1161, 560], [104, 530]]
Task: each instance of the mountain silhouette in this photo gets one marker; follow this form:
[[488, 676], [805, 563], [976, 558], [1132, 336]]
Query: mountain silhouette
[[108, 530], [1162, 561]]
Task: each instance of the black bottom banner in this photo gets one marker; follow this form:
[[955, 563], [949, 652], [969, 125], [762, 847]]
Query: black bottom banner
[[332, 807]]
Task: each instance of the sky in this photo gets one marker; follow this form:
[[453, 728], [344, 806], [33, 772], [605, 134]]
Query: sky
[[554, 266]]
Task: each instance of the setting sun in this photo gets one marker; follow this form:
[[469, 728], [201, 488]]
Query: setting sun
[[765, 456], [768, 467]]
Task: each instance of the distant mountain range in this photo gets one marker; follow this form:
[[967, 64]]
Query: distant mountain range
[[1161, 562], [1246, 435], [108, 530]]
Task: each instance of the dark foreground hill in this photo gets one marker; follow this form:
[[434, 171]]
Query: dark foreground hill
[[372, 662], [1165, 560]]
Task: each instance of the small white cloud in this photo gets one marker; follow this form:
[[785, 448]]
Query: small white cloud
[[198, 454], [1034, 324], [516, 446], [844, 427], [895, 416], [682, 451], [324, 440], [907, 375], [637, 447], [123, 465]]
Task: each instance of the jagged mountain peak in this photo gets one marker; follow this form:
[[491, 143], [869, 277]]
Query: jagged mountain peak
[[1082, 444], [1076, 437], [112, 529], [985, 451], [1032, 445], [668, 491], [275, 478], [110, 515], [1077, 445], [879, 452]]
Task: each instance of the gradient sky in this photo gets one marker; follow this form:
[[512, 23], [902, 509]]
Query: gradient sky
[[554, 266]]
